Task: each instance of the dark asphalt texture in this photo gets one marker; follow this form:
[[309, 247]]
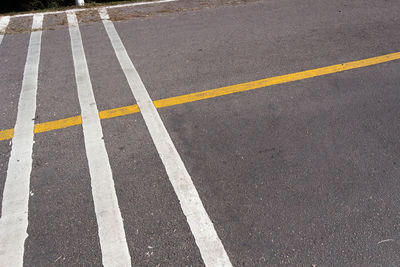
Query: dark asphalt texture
[[298, 174]]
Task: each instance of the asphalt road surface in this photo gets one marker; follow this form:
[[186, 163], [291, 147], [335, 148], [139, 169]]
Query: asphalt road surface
[[273, 138]]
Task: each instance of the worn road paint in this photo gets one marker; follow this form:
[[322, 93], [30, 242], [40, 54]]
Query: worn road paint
[[207, 240], [177, 100], [3, 26], [14, 216], [113, 243]]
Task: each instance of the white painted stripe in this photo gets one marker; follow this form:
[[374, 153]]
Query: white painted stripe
[[37, 22], [211, 247], [14, 219], [3, 26], [111, 229], [95, 8]]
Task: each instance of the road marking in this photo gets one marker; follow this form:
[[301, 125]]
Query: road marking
[[207, 240], [177, 100], [53, 125], [3, 26], [95, 8], [111, 229], [14, 219], [117, 112], [7, 134], [274, 81]]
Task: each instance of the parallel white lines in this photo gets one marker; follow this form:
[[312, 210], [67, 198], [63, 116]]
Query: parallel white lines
[[111, 229], [211, 247], [96, 8], [3, 26], [14, 219]]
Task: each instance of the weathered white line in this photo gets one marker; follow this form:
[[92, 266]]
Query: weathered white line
[[95, 8], [385, 240], [3, 26], [211, 247], [111, 229], [14, 216]]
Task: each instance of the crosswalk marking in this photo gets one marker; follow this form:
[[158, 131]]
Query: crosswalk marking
[[3, 26], [14, 219], [211, 247], [111, 229]]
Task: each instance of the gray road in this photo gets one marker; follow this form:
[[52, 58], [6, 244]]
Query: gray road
[[304, 173]]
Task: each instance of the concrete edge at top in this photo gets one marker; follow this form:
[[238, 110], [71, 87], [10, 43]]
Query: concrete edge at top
[[81, 4]]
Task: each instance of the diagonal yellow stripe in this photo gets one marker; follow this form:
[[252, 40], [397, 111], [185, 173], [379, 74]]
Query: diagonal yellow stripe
[[6, 134], [117, 112], [274, 81], [58, 124], [172, 101]]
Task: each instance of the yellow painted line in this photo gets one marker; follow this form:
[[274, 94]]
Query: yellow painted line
[[117, 112], [6, 134], [58, 124], [172, 101], [274, 81]]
